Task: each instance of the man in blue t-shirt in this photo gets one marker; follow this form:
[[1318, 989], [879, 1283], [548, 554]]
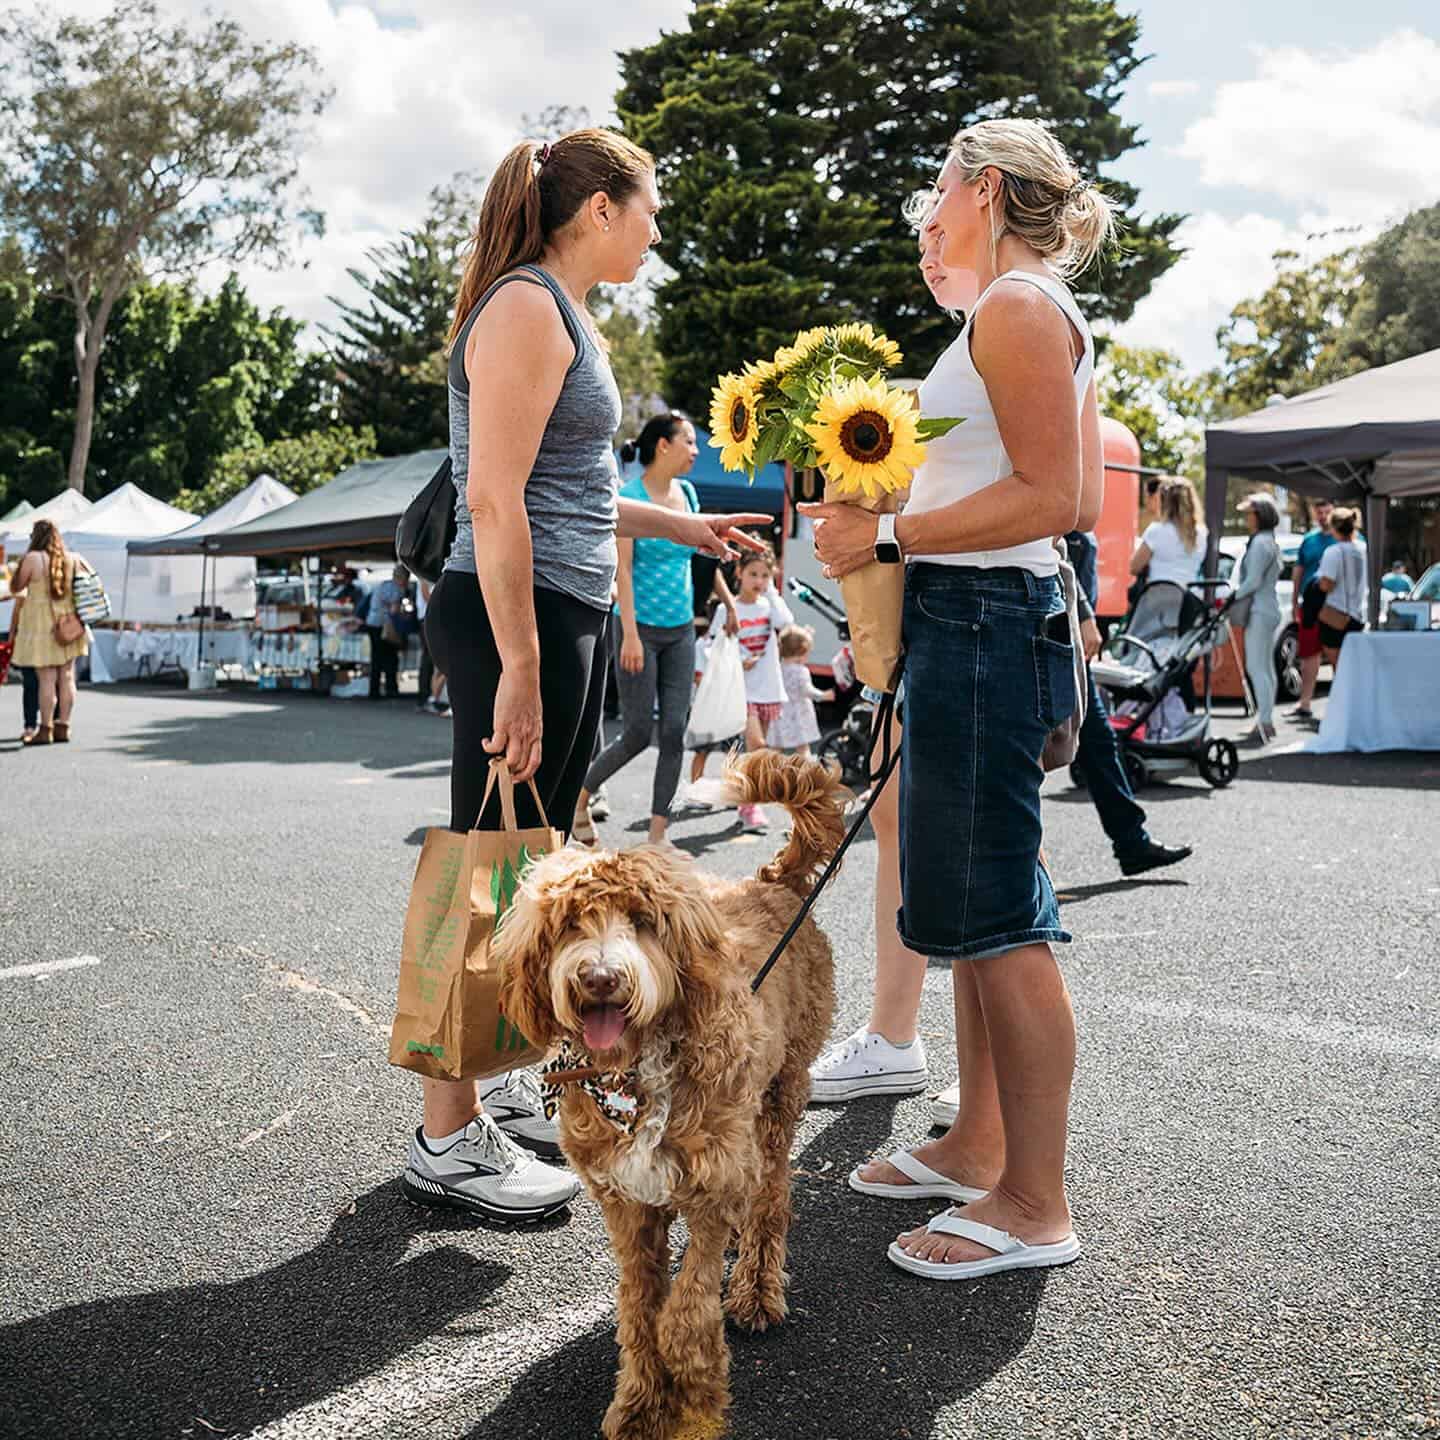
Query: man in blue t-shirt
[[1398, 581], [1307, 567]]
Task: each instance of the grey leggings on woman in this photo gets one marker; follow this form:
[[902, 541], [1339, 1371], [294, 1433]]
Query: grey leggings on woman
[[669, 673]]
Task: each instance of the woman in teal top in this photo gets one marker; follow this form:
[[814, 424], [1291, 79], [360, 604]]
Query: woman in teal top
[[655, 640]]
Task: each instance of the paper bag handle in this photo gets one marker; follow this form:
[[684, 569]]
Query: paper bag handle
[[500, 772]]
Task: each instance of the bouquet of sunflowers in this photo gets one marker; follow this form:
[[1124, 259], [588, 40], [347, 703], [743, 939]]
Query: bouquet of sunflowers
[[823, 402]]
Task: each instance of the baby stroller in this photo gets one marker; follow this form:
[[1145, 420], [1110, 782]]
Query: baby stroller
[[1144, 670], [847, 744]]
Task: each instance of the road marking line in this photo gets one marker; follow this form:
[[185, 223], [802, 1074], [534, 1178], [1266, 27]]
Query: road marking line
[[434, 1377], [48, 967], [1369, 1038], [1119, 935]]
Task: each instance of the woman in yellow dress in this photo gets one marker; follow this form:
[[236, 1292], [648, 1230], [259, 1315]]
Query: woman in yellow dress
[[43, 587]]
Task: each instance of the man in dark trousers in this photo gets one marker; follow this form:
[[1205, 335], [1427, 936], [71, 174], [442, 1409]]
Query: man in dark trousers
[[1099, 754]]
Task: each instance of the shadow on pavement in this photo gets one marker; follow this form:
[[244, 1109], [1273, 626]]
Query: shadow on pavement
[[1389, 769], [867, 1350], [273, 727], [242, 1353], [1074, 894]]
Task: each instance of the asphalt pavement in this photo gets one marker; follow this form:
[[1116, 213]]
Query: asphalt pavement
[[203, 1233]]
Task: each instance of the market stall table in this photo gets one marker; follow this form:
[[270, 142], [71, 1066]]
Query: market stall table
[[1386, 694]]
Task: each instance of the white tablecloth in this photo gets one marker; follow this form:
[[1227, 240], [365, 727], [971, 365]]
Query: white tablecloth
[[120, 654], [1386, 694]]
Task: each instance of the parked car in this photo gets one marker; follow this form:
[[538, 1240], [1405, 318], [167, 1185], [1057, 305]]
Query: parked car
[[1427, 587], [1287, 641]]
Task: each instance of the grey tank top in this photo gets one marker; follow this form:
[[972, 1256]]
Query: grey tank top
[[570, 498]]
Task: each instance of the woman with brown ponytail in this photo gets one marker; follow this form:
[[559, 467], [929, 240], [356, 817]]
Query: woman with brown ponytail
[[516, 619], [42, 587]]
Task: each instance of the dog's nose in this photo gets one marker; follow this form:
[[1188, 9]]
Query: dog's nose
[[602, 981]]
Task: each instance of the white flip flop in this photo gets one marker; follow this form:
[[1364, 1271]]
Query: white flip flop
[[1010, 1253], [929, 1184]]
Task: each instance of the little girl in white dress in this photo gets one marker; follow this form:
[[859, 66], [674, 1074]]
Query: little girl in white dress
[[796, 727]]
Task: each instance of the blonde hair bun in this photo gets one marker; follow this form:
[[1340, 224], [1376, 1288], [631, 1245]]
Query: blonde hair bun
[[1045, 200]]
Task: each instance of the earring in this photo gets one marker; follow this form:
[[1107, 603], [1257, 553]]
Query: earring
[[607, 229]]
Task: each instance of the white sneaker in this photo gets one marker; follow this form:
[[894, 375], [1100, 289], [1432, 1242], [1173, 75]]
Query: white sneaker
[[945, 1108], [866, 1064], [514, 1102], [486, 1173]]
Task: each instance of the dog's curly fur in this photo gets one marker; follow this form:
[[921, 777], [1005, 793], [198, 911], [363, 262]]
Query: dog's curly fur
[[723, 1074]]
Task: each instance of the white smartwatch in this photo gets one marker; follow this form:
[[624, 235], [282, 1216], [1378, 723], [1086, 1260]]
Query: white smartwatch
[[887, 547]]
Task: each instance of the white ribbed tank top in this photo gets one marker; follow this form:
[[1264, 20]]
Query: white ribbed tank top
[[973, 456]]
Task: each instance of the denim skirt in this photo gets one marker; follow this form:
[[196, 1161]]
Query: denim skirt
[[985, 685]]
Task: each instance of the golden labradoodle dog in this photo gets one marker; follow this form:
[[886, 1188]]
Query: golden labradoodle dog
[[638, 964]]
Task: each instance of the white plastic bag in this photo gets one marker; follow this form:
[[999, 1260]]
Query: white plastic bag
[[717, 713]]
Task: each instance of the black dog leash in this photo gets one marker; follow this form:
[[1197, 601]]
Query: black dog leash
[[879, 732]]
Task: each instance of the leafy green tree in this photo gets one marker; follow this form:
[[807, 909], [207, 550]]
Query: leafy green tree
[[1287, 340], [635, 358], [1396, 313], [134, 145], [303, 462], [788, 133], [1148, 391]]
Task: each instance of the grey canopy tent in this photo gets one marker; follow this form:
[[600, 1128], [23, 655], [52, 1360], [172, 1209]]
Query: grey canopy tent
[[353, 517], [1369, 437]]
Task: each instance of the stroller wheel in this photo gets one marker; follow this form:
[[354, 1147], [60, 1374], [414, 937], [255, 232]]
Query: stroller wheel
[[1220, 763], [1077, 776], [1137, 772]]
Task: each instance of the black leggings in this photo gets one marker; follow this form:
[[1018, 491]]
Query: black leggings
[[572, 690]]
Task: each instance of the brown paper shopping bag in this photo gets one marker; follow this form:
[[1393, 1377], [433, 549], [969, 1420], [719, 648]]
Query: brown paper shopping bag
[[874, 597], [448, 1023]]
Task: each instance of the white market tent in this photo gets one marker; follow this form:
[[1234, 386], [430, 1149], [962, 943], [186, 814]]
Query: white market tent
[[17, 512], [262, 495], [155, 588], [66, 509]]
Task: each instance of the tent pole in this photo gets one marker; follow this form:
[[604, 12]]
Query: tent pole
[[1215, 487], [125, 590], [1377, 523], [200, 639]]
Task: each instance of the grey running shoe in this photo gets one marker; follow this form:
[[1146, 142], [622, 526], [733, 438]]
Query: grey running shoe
[[486, 1173]]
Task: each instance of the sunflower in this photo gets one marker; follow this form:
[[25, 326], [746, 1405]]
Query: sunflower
[[732, 421], [866, 438], [870, 345], [806, 343]]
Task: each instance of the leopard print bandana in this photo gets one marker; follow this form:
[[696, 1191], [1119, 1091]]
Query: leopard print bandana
[[613, 1092]]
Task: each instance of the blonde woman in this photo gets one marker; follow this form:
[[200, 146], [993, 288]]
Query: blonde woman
[[990, 671], [43, 589], [1173, 544]]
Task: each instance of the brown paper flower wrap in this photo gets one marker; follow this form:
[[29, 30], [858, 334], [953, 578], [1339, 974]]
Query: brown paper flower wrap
[[874, 597], [824, 402]]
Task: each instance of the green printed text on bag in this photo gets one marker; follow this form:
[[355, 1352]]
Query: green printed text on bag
[[448, 1023]]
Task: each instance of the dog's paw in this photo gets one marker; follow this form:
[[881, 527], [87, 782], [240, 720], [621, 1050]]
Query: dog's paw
[[751, 1307], [642, 1415]]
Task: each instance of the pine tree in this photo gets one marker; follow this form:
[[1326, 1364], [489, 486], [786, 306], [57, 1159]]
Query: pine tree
[[788, 133], [385, 349]]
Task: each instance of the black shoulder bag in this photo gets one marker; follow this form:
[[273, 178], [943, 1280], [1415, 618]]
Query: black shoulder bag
[[427, 528]]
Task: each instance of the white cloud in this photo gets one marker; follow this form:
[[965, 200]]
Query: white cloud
[[1229, 259], [423, 88], [1171, 89], [1349, 134]]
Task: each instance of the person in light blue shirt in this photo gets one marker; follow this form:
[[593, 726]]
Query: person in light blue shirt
[[1397, 582], [655, 636]]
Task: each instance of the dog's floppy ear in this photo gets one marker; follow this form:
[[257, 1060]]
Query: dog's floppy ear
[[524, 945], [715, 995]]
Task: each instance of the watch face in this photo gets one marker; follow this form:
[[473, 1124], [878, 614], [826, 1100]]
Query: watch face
[[887, 552]]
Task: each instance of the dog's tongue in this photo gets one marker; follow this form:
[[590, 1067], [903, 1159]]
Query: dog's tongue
[[604, 1025]]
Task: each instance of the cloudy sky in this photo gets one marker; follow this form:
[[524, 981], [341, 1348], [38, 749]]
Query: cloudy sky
[[1272, 125]]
